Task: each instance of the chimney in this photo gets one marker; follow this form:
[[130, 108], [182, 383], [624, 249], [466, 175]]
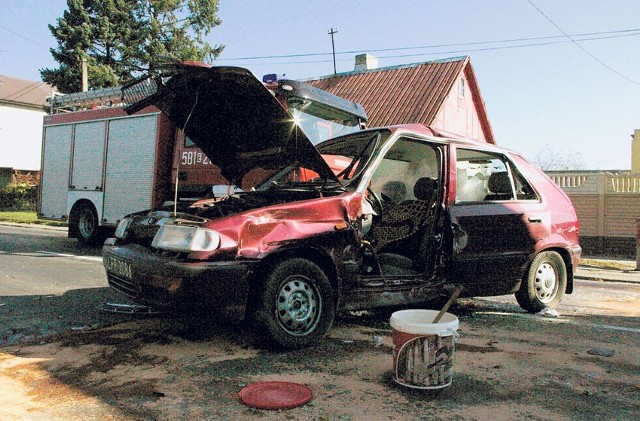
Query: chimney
[[365, 62], [635, 152]]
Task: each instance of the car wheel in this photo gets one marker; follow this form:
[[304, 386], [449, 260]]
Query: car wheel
[[545, 282], [294, 307], [87, 226]]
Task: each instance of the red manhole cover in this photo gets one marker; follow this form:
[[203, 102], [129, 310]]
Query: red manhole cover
[[275, 395]]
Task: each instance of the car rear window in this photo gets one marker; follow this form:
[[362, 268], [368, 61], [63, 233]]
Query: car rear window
[[487, 177]]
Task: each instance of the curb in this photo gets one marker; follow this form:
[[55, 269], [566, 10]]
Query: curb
[[605, 279], [40, 226], [608, 275]]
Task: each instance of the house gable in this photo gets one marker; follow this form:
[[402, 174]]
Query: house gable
[[426, 93], [24, 94], [22, 107]]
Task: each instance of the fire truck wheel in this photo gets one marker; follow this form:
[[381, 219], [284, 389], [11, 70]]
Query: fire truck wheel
[[86, 225]]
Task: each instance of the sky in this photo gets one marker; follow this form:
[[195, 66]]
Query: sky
[[555, 91]]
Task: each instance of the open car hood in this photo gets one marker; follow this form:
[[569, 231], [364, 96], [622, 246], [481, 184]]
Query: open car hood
[[236, 121]]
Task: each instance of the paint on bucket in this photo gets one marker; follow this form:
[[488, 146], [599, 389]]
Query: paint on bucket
[[422, 350]]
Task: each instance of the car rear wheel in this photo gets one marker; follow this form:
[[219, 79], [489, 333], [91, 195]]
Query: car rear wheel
[[544, 284], [294, 307]]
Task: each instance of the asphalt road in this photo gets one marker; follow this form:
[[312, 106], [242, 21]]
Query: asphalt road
[[51, 285]]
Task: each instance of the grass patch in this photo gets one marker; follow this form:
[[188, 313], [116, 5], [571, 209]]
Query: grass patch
[[28, 218]]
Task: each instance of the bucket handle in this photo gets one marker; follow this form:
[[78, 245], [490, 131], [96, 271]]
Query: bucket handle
[[455, 334]]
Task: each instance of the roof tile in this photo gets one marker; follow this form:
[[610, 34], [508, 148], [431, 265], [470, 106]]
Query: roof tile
[[390, 94]]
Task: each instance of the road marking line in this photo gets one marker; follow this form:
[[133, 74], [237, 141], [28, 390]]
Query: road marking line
[[561, 320], [73, 256]]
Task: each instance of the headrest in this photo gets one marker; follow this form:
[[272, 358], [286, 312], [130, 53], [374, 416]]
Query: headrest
[[424, 188], [499, 182], [395, 190]]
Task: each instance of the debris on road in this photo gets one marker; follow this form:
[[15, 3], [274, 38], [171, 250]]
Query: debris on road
[[548, 312], [127, 309], [601, 352]]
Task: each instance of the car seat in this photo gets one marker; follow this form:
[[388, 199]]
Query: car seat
[[395, 191], [399, 237], [499, 186]]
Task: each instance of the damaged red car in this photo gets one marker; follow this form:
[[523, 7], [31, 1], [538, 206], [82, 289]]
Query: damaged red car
[[394, 216]]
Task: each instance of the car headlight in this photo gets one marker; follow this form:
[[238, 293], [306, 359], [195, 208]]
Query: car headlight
[[123, 226], [185, 239]]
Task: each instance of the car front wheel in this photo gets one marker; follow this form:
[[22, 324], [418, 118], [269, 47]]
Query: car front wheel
[[294, 306], [544, 284]]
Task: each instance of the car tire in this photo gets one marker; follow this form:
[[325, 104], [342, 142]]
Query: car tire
[[544, 284], [294, 307], [86, 225]]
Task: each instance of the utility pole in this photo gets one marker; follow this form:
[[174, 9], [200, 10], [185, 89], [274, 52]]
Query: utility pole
[[333, 48], [85, 79]]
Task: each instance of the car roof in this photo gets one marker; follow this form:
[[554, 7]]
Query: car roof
[[441, 136]]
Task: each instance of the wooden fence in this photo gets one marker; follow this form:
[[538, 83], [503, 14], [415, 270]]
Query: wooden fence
[[608, 207]]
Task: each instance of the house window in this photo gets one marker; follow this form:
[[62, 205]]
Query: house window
[[462, 85]]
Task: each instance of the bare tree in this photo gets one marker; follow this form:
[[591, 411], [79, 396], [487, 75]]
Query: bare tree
[[550, 158]]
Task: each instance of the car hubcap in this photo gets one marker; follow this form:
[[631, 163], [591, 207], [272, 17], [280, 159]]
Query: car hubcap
[[546, 282], [298, 306]]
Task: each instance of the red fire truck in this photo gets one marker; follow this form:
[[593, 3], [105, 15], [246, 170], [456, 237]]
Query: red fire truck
[[100, 164]]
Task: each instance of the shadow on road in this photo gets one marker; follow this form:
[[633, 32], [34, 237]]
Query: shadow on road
[[29, 318], [22, 243]]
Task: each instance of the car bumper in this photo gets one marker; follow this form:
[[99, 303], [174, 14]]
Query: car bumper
[[170, 282]]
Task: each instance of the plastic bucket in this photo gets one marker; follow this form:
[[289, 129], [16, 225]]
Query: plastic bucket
[[422, 350]]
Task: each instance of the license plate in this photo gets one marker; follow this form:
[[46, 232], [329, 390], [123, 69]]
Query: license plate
[[118, 267]]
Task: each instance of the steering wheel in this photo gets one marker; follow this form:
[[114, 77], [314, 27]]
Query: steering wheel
[[376, 203]]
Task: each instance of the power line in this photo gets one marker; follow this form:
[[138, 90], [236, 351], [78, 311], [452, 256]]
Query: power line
[[460, 51], [22, 36], [536, 44], [580, 46], [614, 34]]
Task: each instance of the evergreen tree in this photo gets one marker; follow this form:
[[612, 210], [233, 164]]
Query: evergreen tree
[[120, 39]]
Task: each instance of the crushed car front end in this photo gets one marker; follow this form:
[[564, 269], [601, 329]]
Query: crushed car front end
[[153, 260], [205, 256]]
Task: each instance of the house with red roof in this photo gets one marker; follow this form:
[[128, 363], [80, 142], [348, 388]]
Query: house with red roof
[[443, 94]]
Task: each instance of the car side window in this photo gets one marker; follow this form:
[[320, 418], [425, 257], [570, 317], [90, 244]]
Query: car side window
[[488, 177], [524, 191]]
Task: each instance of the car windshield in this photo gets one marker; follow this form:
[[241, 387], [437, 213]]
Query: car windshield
[[347, 157], [320, 126]]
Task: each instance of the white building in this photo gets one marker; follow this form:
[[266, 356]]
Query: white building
[[22, 107]]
